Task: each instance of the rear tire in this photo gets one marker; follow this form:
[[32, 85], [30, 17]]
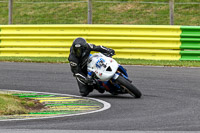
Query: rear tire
[[130, 88]]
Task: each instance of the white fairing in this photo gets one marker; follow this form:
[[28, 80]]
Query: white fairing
[[104, 67]]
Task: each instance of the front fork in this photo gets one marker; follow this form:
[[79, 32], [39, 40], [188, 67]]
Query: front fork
[[120, 73]]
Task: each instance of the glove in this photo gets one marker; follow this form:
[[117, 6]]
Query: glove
[[90, 81], [112, 52]]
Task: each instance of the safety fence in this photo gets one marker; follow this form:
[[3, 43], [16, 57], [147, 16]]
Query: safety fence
[[135, 12], [129, 41], [190, 43]]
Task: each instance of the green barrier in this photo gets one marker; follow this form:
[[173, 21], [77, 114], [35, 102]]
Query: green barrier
[[190, 55], [190, 31], [190, 43]]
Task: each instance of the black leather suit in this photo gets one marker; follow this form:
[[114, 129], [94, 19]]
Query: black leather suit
[[79, 66]]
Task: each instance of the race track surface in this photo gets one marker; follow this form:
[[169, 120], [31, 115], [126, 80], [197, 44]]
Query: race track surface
[[170, 102]]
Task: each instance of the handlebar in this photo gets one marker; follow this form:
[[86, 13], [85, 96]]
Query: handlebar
[[108, 54]]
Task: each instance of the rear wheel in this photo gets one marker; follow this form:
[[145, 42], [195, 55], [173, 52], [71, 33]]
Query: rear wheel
[[130, 88]]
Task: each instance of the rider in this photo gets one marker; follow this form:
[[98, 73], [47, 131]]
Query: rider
[[78, 57]]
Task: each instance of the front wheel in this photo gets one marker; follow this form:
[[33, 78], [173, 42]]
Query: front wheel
[[130, 88]]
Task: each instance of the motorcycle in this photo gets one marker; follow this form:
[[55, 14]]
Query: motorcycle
[[110, 76]]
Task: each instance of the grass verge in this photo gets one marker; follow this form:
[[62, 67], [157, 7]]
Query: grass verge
[[159, 62], [10, 105], [120, 61], [35, 59]]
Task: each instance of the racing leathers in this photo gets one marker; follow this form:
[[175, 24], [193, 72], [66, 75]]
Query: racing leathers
[[79, 67]]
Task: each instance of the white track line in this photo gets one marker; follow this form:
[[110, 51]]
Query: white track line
[[106, 106]]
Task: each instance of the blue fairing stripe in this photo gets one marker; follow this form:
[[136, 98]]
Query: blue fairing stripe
[[90, 73], [123, 70], [124, 76]]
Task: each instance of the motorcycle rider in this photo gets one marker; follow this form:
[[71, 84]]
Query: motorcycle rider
[[78, 57]]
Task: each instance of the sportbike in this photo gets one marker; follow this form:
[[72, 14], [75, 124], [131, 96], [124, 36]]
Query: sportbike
[[110, 76]]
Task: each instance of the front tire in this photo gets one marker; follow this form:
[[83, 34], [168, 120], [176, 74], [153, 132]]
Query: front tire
[[130, 88]]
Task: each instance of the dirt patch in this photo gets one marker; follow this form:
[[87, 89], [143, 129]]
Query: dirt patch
[[33, 105]]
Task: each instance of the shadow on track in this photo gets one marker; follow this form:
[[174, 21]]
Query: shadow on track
[[111, 96]]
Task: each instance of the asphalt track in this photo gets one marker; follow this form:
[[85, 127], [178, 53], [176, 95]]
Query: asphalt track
[[170, 102]]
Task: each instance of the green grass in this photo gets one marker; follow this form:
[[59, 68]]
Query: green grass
[[11, 105], [120, 61], [126, 12], [159, 62], [35, 59]]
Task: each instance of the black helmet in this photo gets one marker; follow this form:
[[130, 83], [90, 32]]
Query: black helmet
[[79, 47]]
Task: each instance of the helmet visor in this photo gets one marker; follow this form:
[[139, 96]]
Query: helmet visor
[[78, 52]]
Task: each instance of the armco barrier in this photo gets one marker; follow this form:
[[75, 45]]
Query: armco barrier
[[190, 39], [129, 41]]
